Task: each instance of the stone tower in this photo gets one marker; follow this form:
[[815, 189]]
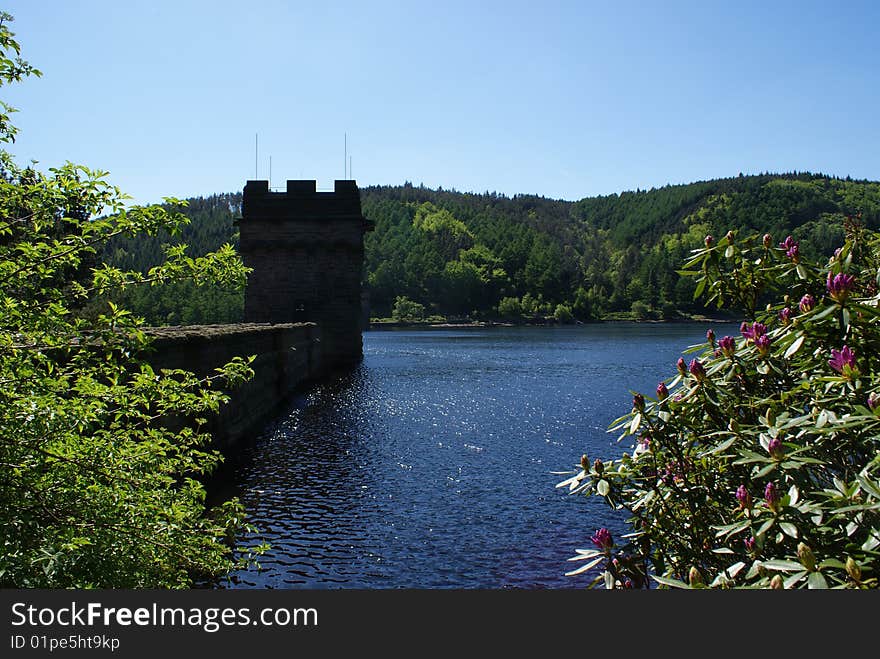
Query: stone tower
[[306, 249]]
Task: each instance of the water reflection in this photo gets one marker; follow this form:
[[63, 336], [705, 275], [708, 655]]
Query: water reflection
[[429, 465]]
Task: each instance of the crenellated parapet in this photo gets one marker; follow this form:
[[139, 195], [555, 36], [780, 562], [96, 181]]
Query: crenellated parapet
[[306, 251]]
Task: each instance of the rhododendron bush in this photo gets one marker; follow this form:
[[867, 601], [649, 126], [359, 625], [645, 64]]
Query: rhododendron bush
[[758, 464]]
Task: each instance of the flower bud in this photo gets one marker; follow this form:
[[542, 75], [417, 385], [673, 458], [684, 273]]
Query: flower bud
[[750, 544], [728, 346], [710, 336], [696, 369], [776, 583], [775, 449], [682, 367], [709, 241], [768, 240], [853, 570], [585, 462], [729, 236], [694, 577], [807, 303], [785, 316], [806, 557], [662, 391], [639, 402], [772, 497], [873, 401], [598, 466], [743, 497]]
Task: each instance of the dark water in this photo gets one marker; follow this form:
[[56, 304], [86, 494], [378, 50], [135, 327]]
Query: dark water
[[430, 465]]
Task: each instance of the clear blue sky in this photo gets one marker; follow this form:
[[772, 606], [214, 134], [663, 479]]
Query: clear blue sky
[[560, 99]]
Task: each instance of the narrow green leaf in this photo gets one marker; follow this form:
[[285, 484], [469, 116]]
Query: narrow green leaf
[[789, 529], [782, 565], [672, 583], [635, 423], [816, 581], [794, 347], [584, 568]]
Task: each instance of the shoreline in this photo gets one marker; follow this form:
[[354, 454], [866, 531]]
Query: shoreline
[[483, 324]]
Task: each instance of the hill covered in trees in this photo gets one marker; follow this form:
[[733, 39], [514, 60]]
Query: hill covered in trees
[[489, 256]]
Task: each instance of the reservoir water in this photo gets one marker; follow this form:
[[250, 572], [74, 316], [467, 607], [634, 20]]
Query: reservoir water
[[430, 465]]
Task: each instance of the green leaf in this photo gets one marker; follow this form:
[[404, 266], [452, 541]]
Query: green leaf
[[782, 565], [765, 527], [816, 581], [794, 347], [635, 423], [586, 567], [869, 486], [672, 583], [789, 529]]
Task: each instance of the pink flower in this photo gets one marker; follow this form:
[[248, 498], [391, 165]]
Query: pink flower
[[727, 345], [807, 303], [839, 286], [753, 331], [787, 244], [602, 539], [762, 343], [785, 316], [843, 361]]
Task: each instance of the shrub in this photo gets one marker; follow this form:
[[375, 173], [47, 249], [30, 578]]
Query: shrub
[[757, 464], [563, 314], [641, 311], [510, 308], [406, 310], [95, 490]]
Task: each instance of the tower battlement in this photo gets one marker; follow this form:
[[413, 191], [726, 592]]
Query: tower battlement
[[306, 249]]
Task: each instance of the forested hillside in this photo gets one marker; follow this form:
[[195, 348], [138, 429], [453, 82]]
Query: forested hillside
[[452, 254]]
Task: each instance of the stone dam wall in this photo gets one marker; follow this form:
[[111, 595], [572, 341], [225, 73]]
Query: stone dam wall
[[288, 355]]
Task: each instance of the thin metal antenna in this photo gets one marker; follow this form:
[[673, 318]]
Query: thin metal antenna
[[350, 175], [256, 156], [345, 158], [270, 172]]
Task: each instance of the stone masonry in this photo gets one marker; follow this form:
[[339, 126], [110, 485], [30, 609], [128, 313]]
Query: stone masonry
[[306, 249]]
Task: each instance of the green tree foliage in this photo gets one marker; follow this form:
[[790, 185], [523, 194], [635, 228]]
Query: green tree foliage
[[600, 255], [407, 311], [758, 464], [97, 489], [210, 227], [457, 253]]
